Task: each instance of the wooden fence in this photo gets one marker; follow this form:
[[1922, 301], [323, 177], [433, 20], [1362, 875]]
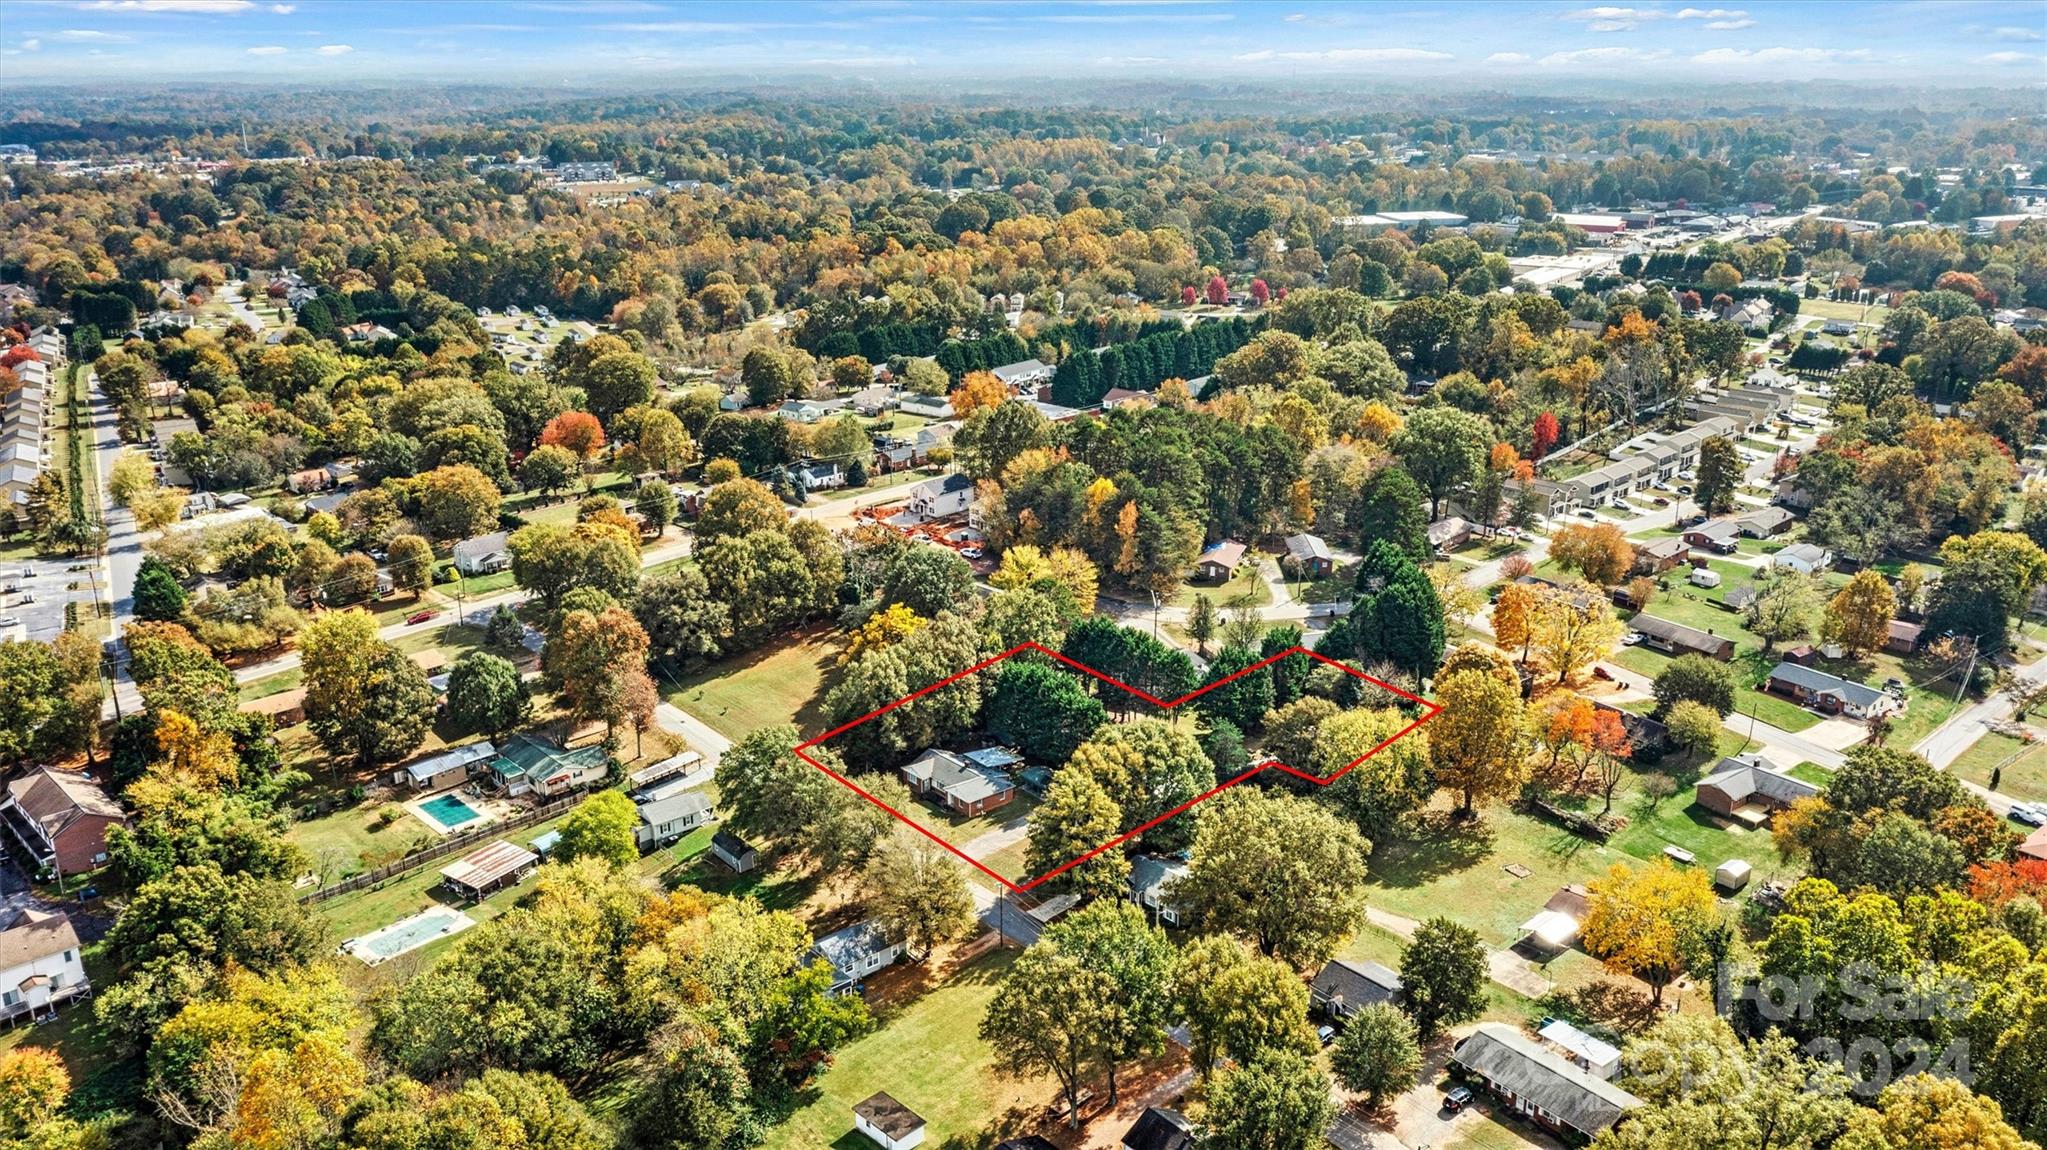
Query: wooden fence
[[447, 846]]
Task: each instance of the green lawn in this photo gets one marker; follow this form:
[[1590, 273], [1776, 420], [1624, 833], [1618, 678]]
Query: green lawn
[[1245, 582], [930, 1056], [1461, 868], [270, 685], [1775, 710], [2024, 766], [761, 688], [880, 483], [1841, 309], [1812, 773]]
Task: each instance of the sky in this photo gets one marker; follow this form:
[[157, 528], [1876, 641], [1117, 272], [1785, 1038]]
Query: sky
[[625, 42]]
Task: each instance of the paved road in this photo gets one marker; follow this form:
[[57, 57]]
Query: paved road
[[700, 737], [124, 542]]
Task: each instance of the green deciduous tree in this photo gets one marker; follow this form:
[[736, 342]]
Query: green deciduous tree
[[365, 699], [486, 694], [601, 827], [1379, 1054], [1278, 1101], [1251, 843], [1443, 972]]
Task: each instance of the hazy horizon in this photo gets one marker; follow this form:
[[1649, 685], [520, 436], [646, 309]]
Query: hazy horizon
[[896, 45]]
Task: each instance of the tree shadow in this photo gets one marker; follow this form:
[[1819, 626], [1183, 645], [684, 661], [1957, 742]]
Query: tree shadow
[[1607, 1003], [1432, 845]]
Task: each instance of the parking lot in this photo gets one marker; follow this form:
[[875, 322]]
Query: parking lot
[[33, 594]]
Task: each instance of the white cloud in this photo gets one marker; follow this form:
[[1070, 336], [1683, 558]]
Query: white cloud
[[211, 6], [284, 9], [2008, 58], [2017, 33], [686, 27], [1128, 61], [862, 62], [1609, 18], [31, 45], [1603, 56], [1350, 55], [1509, 58], [90, 36], [1780, 55], [334, 49], [268, 50]]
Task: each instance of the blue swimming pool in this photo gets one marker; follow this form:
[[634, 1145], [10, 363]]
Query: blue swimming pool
[[450, 811]]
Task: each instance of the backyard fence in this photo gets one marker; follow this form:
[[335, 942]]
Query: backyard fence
[[454, 842]]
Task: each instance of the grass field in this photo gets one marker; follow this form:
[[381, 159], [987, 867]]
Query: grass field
[[2024, 773], [930, 1056], [1461, 868], [1839, 309], [761, 688]]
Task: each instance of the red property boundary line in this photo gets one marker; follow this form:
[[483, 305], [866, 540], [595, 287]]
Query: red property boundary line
[[1429, 711]]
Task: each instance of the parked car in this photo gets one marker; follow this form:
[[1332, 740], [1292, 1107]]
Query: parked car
[[1685, 490], [418, 617], [1587, 513], [1458, 1098], [1326, 1034], [970, 552], [2031, 814]]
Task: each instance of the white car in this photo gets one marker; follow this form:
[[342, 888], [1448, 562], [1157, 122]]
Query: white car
[[2031, 814]]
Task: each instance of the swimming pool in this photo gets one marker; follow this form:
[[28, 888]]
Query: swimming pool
[[449, 811]]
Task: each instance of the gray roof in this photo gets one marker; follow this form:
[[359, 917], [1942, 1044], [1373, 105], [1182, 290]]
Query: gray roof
[[1306, 547], [731, 844], [1744, 775], [1159, 1129], [957, 778], [1354, 984], [1149, 874], [1719, 530], [1678, 634], [674, 808], [1009, 372], [461, 756], [1766, 517], [844, 948], [1505, 1056], [482, 545], [1740, 597], [1805, 553], [1813, 679]]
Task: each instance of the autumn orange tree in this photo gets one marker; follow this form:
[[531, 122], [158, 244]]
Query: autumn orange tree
[[1514, 617], [577, 431], [977, 390], [1598, 551]]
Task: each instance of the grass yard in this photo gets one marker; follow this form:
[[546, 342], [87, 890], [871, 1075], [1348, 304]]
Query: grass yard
[[1812, 773], [1775, 710], [1842, 309], [880, 483], [1245, 582], [2024, 773], [1463, 866], [776, 684], [477, 586], [1377, 944], [270, 685], [930, 1056]]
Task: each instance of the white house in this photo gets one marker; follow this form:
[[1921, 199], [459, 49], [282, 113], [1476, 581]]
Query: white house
[[483, 554], [1149, 879], [940, 497], [40, 965], [1804, 557], [856, 952]]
